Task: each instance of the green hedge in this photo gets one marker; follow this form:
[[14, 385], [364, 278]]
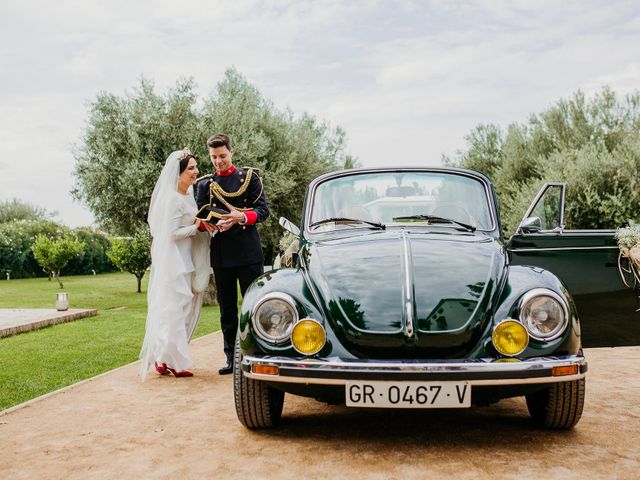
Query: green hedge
[[95, 253], [16, 257]]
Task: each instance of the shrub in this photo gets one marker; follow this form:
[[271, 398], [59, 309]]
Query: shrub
[[132, 254], [53, 254]]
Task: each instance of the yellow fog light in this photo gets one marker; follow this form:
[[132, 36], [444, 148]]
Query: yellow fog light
[[308, 336], [510, 337]]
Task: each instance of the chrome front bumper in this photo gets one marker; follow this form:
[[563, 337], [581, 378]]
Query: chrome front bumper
[[334, 371]]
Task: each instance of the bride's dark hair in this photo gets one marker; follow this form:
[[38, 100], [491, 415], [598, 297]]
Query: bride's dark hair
[[184, 158]]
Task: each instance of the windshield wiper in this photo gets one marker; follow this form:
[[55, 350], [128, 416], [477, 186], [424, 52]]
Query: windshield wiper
[[434, 219], [381, 226]]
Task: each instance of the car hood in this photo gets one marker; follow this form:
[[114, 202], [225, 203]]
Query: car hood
[[429, 293]]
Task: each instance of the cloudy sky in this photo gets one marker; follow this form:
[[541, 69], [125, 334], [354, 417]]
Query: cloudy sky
[[421, 73]]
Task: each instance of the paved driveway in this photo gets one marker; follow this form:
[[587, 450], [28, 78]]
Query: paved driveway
[[114, 426]]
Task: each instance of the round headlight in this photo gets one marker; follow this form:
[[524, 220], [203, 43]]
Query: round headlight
[[510, 337], [544, 313], [274, 316], [308, 336]]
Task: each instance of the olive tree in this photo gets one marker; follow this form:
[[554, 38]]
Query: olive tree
[[127, 139], [123, 149], [16, 210], [592, 144], [288, 150]]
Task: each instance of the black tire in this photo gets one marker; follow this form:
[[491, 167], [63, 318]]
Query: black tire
[[559, 406], [257, 404]]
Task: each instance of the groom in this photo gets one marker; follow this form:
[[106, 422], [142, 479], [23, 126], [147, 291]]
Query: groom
[[236, 252]]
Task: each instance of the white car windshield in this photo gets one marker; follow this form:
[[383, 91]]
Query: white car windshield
[[400, 197]]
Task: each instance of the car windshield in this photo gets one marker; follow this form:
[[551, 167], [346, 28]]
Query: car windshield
[[399, 198]]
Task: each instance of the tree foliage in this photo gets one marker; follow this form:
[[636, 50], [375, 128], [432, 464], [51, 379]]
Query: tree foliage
[[289, 151], [124, 147], [53, 254], [15, 210], [132, 254], [128, 138], [591, 144]]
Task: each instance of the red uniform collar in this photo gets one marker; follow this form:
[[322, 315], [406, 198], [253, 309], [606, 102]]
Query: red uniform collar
[[228, 172]]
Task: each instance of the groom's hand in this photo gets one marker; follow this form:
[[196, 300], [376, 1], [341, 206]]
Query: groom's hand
[[230, 219]]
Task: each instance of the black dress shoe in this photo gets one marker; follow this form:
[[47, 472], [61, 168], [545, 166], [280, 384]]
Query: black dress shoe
[[227, 369]]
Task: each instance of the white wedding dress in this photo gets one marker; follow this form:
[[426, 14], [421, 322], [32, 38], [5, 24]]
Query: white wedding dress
[[174, 299]]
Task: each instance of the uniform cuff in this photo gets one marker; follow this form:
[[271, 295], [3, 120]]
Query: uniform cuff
[[251, 217]]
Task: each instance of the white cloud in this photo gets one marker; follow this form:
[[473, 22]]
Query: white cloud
[[625, 80]]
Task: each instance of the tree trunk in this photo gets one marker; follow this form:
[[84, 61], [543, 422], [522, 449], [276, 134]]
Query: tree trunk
[[57, 274], [139, 279], [210, 293]]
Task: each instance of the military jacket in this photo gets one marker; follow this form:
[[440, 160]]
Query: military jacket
[[243, 189]]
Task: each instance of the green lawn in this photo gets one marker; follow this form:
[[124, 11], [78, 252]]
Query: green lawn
[[40, 361]]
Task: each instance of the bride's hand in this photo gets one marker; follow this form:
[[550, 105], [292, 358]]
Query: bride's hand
[[209, 227]]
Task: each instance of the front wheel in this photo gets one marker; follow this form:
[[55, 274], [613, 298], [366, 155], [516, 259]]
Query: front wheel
[[558, 406], [257, 404]]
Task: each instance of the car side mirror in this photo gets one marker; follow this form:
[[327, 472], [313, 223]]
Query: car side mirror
[[530, 225], [289, 226]]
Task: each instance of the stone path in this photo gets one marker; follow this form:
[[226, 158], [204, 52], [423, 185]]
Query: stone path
[[18, 320], [114, 426]]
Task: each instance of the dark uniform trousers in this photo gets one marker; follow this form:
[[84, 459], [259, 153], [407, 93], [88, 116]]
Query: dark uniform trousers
[[236, 255], [227, 280]]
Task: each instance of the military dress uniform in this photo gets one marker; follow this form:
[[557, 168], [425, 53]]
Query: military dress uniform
[[236, 254]]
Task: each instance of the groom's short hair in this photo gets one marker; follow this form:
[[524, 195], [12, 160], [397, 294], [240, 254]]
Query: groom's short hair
[[219, 140]]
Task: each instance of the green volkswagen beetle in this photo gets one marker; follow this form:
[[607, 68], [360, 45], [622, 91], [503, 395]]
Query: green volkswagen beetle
[[404, 294]]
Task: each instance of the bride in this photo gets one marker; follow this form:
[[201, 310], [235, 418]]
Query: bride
[[180, 268]]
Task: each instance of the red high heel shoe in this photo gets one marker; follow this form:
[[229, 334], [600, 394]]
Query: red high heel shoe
[[183, 373], [161, 369]]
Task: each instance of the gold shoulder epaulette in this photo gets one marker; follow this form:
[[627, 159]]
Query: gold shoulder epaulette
[[255, 170], [208, 175]]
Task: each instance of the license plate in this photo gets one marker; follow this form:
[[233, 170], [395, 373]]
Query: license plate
[[408, 394]]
